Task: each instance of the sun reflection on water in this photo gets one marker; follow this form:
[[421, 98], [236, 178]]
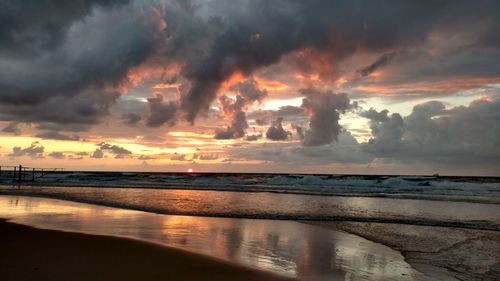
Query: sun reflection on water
[[284, 247]]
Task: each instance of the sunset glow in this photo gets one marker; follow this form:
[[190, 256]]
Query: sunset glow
[[225, 87]]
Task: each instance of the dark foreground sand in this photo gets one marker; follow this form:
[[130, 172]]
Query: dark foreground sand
[[28, 253]]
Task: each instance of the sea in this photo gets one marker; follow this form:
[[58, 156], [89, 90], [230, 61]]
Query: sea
[[471, 202]]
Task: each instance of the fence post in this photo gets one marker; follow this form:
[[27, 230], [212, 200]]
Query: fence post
[[20, 173]]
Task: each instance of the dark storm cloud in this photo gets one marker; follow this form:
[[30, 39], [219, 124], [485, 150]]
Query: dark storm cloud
[[236, 130], [234, 109], [98, 153], [438, 137], [387, 130], [67, 53], [464, 135], [55, 135], [263, 117], [57, 127], [145, 157], [131, 118], [253, 137], [85, 108], [288, 110], [13, 128], [56, 52], [57, 155], [346, 150], [380, 62], [324, 110], [249, 90], [35, 150], [118, 151], [259, 33], [31, 26], [376, 116], [276, 131], [161, 112], [444, 71], [248, 93]]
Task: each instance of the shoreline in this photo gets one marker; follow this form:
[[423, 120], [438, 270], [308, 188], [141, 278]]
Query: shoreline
[[440, 253], [477, 225], [181, 186], [287, 248], [30, 253]]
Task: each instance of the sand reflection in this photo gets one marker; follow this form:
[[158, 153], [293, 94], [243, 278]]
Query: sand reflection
[[284, 247]]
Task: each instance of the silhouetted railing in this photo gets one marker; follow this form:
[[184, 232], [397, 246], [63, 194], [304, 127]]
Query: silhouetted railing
[[21, 173]]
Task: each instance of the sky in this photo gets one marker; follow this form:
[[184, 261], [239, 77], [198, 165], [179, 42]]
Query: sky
[[291, 86]]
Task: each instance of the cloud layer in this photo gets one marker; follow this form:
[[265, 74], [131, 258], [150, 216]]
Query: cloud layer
[[287, 74], [464, 135], [324, 109], [75, 53]]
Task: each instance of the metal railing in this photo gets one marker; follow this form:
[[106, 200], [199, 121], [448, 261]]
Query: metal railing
[[22, 173]]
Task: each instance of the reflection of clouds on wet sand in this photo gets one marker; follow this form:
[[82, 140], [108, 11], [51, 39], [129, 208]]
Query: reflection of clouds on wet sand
[[277, 205], [285, 247]]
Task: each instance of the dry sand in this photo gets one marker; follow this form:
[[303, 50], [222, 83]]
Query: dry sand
[[28, 253]]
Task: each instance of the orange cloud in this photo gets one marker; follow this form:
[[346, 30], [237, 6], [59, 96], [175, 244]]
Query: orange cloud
[[151, 70], [271, 85], [235, 78], [314, 66], [167, 86], [420, 88]]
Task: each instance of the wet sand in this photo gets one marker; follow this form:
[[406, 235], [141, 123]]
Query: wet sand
[[34, 254], [441, 253], [287, 248]]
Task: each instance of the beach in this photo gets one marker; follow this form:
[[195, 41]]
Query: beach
[[302, 236], [49, 239], [39, 254], [286, 248]]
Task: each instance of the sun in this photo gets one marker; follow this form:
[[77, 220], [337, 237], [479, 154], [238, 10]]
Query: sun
[[190, 170]]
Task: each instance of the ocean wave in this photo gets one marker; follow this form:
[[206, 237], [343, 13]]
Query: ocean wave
[[479, 189], [260, 214]]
